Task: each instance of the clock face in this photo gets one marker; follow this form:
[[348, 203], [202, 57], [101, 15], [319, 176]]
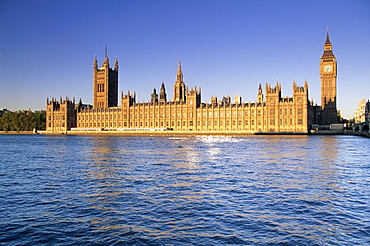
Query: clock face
[[328, 68]]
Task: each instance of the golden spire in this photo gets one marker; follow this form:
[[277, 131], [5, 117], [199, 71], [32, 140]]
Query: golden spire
[[179, 72]]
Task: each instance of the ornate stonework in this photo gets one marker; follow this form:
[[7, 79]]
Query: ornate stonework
[[271, 113]]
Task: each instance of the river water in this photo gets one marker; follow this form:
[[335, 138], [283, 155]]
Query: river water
[[198, 190]]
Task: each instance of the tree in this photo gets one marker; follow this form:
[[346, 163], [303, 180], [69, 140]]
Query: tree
[[25, 120]]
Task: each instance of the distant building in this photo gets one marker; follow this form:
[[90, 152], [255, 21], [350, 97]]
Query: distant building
[[362, 113], [271, 113]]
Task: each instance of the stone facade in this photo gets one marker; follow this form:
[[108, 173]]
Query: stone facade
[[271, 113], [362, 113]]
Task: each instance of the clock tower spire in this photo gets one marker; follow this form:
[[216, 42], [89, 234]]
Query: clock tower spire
[[328, 78]]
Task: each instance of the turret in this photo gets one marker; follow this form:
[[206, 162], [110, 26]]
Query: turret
[[179, 90], [162, 94], [116, 64], [154, 96], [260, 93]]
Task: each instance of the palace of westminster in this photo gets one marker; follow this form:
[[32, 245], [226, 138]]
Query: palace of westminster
[[271, 113]]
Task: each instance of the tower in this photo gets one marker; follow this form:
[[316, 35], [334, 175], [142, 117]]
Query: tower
[[179, 87], [105, 84], [162, 94], [260, 94], [328, 78], [154, 96]]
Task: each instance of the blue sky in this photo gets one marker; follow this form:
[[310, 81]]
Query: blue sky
[[226, 47]]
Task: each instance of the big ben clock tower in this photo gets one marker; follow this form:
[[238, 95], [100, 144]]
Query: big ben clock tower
[[328, 77]]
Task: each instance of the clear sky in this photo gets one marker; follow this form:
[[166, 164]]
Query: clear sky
[[226, 47]]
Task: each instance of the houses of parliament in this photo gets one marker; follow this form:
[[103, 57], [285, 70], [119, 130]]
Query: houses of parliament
[[185, 112]]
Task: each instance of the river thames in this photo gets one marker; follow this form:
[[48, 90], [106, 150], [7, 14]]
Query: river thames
[[198, 190]]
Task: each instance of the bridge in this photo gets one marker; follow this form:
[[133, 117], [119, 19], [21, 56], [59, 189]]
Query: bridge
[[362, 129]]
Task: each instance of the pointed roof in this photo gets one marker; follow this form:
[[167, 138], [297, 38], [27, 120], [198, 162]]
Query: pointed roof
[[179, 66], [327, 36], [179, 73]]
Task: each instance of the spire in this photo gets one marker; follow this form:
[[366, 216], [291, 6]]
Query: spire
[[154, 96], [106, 60], [260, 89], [163, 95], [179, 72], [328, 49], [327, 36], [179, 65], [162, 86], [95, 63]]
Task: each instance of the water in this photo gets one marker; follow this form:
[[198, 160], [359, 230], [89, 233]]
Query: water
[[205, 190]]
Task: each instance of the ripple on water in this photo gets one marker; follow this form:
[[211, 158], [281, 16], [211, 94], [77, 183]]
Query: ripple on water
[[204, 190]]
